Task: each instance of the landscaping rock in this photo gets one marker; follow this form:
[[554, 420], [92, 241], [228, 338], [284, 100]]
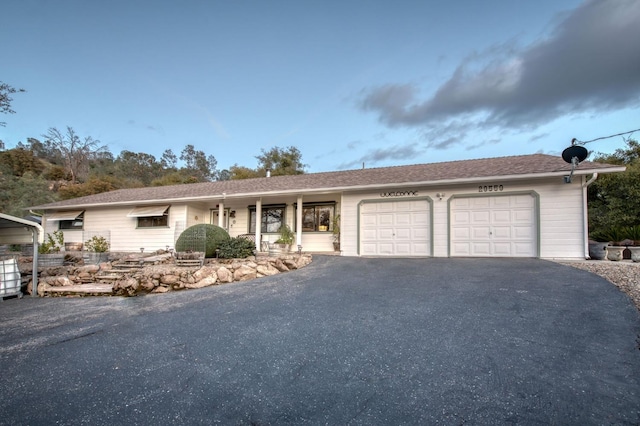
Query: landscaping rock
[[224, 275], [244, 273], [205, 282]]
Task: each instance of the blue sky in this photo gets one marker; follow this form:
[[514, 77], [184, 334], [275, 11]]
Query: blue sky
[[346, 82]]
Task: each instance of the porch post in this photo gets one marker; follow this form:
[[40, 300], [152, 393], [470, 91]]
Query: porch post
[[258, 224], [221, 214], [299, 221]]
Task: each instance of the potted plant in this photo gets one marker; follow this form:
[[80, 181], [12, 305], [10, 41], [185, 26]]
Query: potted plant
[[633, 234], [283, 243], [336, 232], [615, 249], [97, 248], [49, 251], [598, 242]]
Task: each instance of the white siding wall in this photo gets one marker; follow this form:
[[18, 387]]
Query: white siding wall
[[560, 208], [122, 230]]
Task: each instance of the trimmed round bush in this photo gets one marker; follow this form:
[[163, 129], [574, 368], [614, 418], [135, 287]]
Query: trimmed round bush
[[202, 237]]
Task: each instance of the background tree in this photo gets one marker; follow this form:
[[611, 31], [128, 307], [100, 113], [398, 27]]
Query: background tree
[[18, 193], [281, 161], [19, 161], [614, 199], [5, 99], [92, 186], [169, 160], [77, 152], [241, 172], [138, 166], [198, 165]]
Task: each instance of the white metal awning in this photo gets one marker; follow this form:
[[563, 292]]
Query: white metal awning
[[148, 211], [69, 215]]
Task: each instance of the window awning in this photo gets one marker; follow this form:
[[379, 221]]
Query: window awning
[[70, 215], [148, 211]]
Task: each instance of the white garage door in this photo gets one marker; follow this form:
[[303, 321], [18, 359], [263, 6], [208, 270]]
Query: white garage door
[[498, 226], [397, 228]]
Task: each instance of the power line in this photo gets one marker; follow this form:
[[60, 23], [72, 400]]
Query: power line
[[576, 141]]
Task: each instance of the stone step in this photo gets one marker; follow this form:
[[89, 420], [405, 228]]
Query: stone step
[[189, 262], [81, 289], [108, 277]]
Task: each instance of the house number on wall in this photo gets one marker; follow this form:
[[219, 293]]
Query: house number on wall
[[399, 194], [490, 188]]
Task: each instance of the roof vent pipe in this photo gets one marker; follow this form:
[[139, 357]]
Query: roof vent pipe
[[268, 173]]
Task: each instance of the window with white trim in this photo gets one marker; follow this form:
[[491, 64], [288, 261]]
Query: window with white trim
[[77, 223], [271, 221], [318, 217], [151, 216]]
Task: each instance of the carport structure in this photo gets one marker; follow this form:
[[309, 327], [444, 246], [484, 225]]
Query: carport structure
[[14, 230]]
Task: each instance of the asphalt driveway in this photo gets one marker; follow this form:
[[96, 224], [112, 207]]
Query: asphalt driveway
[[342, 341]]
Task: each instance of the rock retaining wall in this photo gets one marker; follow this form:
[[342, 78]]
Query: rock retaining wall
[[161, 275]]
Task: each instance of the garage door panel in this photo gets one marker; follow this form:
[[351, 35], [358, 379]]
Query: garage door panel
[[502, 232], [403, 219], [523, 232], [480, 217], [502, 249], [398, 228], [480, 232], [462, 218], [500, 216], [461, 249], [384, 234], [385, 219], [419, 234], [480, 248], [523, 249], [493, 225], [522, 201], [500, 202], [461, 233], [403, 234], [525, 216], [480, 203], [369, 220]]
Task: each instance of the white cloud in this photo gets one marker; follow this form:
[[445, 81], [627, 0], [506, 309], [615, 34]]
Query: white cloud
[[589, 63]]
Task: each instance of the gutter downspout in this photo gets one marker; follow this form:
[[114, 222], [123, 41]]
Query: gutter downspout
[[34, 268], [585, 218]]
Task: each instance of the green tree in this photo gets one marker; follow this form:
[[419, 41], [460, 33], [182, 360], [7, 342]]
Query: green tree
[[614, 199], [198, 164], [19, 161], [77, 152], [92, 186], [19, 193], [241, 172], [169, 160], [281, 161], [138, 166], [5, 99], [174, 178]]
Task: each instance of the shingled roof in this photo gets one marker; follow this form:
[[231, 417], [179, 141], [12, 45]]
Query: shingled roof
[[424, 174]]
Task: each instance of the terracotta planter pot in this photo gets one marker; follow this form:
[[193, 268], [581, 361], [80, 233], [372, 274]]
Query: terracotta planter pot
[[615, 253]]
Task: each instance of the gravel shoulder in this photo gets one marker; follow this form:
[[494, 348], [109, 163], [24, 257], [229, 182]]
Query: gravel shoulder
[[625, 275]]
